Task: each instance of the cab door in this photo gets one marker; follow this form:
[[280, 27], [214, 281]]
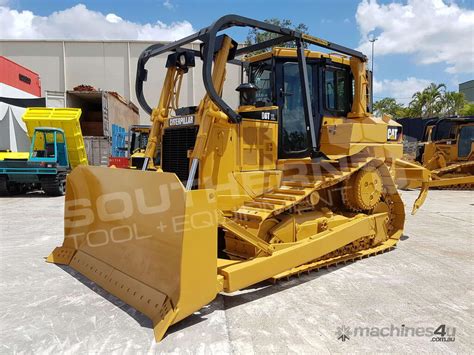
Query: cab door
[[465, 142], [294, 132]]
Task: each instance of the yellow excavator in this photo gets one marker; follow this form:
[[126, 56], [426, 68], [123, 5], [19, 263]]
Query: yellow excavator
[[300, 176]]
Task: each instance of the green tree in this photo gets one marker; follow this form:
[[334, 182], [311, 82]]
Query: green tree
[[468, 110], [390, 106], [435, 101], [452, 103], [429, 102], [256, 36]]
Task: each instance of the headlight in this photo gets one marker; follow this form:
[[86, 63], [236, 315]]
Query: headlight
[[182, 60]]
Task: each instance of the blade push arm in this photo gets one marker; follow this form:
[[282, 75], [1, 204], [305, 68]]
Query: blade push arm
[[208, 111], [206, 114], [158, 116], [169, 99]]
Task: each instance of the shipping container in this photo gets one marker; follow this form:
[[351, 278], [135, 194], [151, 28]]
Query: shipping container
[[103, 114], [55, 98], [101, 110], [98, 150]]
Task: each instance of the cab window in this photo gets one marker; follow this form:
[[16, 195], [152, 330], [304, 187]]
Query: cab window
[[337, 97], [44, 145], [466, 137], [260, 75], [293, 121]]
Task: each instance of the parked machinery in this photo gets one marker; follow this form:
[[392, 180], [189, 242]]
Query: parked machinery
[[297, 178], [134, 148], [449, 150], [137, 141], [57, 146]]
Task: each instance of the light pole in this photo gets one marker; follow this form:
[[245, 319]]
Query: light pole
[[372, 40]]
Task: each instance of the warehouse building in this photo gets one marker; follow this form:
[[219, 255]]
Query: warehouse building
[[467, 88], [19, 88], [107, 66]]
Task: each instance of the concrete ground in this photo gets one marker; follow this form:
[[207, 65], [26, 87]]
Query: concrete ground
[[426, 281]]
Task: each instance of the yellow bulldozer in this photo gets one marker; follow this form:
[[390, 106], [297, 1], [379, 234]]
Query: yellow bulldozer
[[300, 176], [449, 151], [446, 152]]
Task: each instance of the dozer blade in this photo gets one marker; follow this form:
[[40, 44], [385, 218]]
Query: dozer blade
[[143, 238]]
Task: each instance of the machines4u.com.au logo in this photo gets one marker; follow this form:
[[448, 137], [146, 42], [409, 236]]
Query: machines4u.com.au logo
[[441, 333]]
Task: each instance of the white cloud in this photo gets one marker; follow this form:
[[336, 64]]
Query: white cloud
[[113, 18], [433, 30], [401, 90], [78, 22]]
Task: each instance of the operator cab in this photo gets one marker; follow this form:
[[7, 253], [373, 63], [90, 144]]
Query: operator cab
[[138, 138], [49, 145], [465, 141], [455, 131], [276, 79]]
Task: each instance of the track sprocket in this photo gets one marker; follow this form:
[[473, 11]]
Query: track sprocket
[[363, 190]]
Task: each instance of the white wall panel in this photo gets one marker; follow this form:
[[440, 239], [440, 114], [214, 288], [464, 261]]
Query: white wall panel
[[42, 57], [107, 65]]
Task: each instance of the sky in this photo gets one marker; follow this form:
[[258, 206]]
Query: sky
[[418, 41]]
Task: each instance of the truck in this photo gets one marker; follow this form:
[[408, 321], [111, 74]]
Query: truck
[[57, 146]]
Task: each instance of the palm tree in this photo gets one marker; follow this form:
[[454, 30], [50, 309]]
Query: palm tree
[[428, 103], [453, 103], [389, 105], [416, 104], [434, 99]]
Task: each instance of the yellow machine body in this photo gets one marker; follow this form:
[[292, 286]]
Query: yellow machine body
[[448, 155], [14, 155], [247, 216], [441, 153], [453, 157], [137, 140]]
